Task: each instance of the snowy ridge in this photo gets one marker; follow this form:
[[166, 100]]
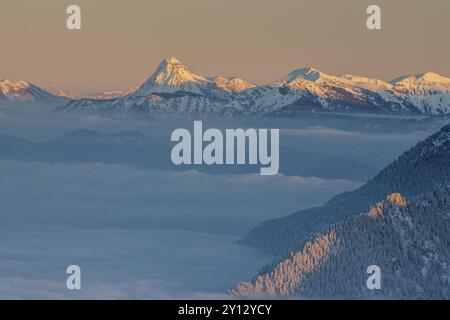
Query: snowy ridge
[[25, 91], [367, 83], [109, 95], [430, 92], [232, 84], [60, 93]]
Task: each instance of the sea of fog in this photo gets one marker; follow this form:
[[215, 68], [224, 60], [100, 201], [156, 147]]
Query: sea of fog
[[139, 233]]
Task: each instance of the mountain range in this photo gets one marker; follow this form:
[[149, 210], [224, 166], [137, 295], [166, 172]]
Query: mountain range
[[174, 89], [136, 149], [398, 220]]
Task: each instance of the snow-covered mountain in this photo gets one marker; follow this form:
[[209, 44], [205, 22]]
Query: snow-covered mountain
[[23, 91], [309, 90], [106, 95], [174, 89], [232, 84], [172, 77], [109, 95], [408, 240], [371, 84], [429, 92], [60, 92], [158, 105]]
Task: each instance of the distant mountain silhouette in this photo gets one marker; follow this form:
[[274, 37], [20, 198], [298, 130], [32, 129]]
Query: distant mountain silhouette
[[136, 149]]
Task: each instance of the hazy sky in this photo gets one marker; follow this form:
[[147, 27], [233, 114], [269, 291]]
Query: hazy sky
[[122, 42]]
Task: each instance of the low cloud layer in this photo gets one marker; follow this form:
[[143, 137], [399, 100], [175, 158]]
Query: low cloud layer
[[109, 196], [120, 263], [137, 233]]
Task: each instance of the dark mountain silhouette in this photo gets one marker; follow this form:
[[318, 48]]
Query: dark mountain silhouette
[[418, 170]]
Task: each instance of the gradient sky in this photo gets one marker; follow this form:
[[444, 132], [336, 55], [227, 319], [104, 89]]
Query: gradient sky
[[122, 42]]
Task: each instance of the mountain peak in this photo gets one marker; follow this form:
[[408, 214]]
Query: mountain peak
[[13, 85], [306, 73], [171, 68], [25, 91], [58, 92], [171, 76], [372, 84], [231, 84], [434, 77], [172, 60], [431, 77]]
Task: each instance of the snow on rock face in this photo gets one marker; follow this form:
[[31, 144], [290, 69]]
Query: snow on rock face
[[60, 93], [430, 92], [310, 77], [23, 91], [15, 90], [307, 73], [429, 77], [114, 94], [234, 84], [172, 76], [367, 83], [341, 94]]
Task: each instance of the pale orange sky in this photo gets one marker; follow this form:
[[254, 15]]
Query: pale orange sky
[[122, 42]]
